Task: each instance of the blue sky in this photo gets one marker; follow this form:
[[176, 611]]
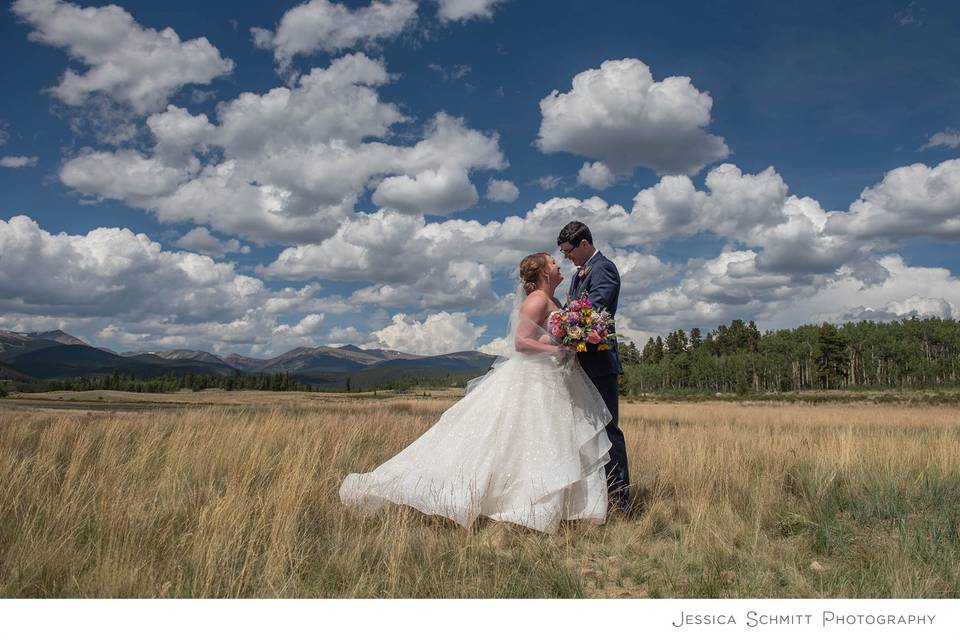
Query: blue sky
[[253, 178]]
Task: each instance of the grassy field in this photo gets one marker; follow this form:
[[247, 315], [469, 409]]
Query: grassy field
[[218, 494]]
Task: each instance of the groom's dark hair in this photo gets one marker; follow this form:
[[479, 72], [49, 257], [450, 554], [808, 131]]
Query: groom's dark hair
[[574, 232]]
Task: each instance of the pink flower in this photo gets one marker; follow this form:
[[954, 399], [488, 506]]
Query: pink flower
[[594, 337], [573, 317], [574, 305]]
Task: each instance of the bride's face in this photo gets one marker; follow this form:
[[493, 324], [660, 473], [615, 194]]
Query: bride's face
[[553, 272]]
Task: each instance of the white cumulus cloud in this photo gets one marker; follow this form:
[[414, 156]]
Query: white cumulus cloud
[[18, 162], [289, 165], [781, 249], [111, 272], [137, 66], [620, 115], [497, 347], [124, 175], [331, 27], [112, 285], [437, 192], [348, 335], [596, 175], [308, 327], [462, 10], [915, 200], [439, 333], [949, 138], [549, 183], [907, 291], [200, 240], [502, 191]]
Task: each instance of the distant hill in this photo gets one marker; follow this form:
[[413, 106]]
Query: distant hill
[[71, 361], [462, 361], [197, 356], [457, 365], [387, 354], [58, 355], [57, 336], [175, 354], [244, 363], [313, 362], [13, 343], [304, 358], [321, 358], [9, 373]]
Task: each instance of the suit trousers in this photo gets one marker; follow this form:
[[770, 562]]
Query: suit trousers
[[618, 473]]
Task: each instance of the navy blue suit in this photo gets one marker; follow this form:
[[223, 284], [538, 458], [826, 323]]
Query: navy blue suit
[[601, 281]]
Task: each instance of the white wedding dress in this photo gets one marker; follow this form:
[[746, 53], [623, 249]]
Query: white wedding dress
[[526, 445]]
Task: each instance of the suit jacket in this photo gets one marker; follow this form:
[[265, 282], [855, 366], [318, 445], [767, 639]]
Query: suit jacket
[[602, 283]]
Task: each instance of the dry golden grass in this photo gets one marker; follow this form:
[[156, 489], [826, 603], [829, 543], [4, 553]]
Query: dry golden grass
[[236, 495]]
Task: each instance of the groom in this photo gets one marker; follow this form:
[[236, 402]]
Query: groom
[[599, 277]]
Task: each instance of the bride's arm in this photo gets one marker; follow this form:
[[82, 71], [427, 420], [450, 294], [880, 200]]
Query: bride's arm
[[529, 332]]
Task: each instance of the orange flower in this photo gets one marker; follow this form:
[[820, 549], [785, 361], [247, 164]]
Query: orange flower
[[602, 346], [581, 347]]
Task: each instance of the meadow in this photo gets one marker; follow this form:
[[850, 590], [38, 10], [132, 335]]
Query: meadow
[[216, 494]]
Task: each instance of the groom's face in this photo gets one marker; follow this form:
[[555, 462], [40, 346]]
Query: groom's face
[[577, 254]]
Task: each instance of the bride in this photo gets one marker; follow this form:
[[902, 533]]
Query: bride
[[526, 444]]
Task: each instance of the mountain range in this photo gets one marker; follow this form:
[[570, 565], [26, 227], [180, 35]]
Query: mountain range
[[58, 355]]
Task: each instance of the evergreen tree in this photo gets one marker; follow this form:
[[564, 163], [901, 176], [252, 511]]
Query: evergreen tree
[[648, 356], [830, 357], [629, 354], [676, 342], [695, 339]]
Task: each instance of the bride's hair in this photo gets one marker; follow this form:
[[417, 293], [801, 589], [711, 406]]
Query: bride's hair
[[530, 269]]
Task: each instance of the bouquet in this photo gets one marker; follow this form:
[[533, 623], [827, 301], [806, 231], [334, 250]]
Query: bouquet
[[579, 324]]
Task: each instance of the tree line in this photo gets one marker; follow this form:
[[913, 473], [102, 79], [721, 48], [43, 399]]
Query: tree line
[[283, 381], [739, 358], [910, 353], [171, 383]]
